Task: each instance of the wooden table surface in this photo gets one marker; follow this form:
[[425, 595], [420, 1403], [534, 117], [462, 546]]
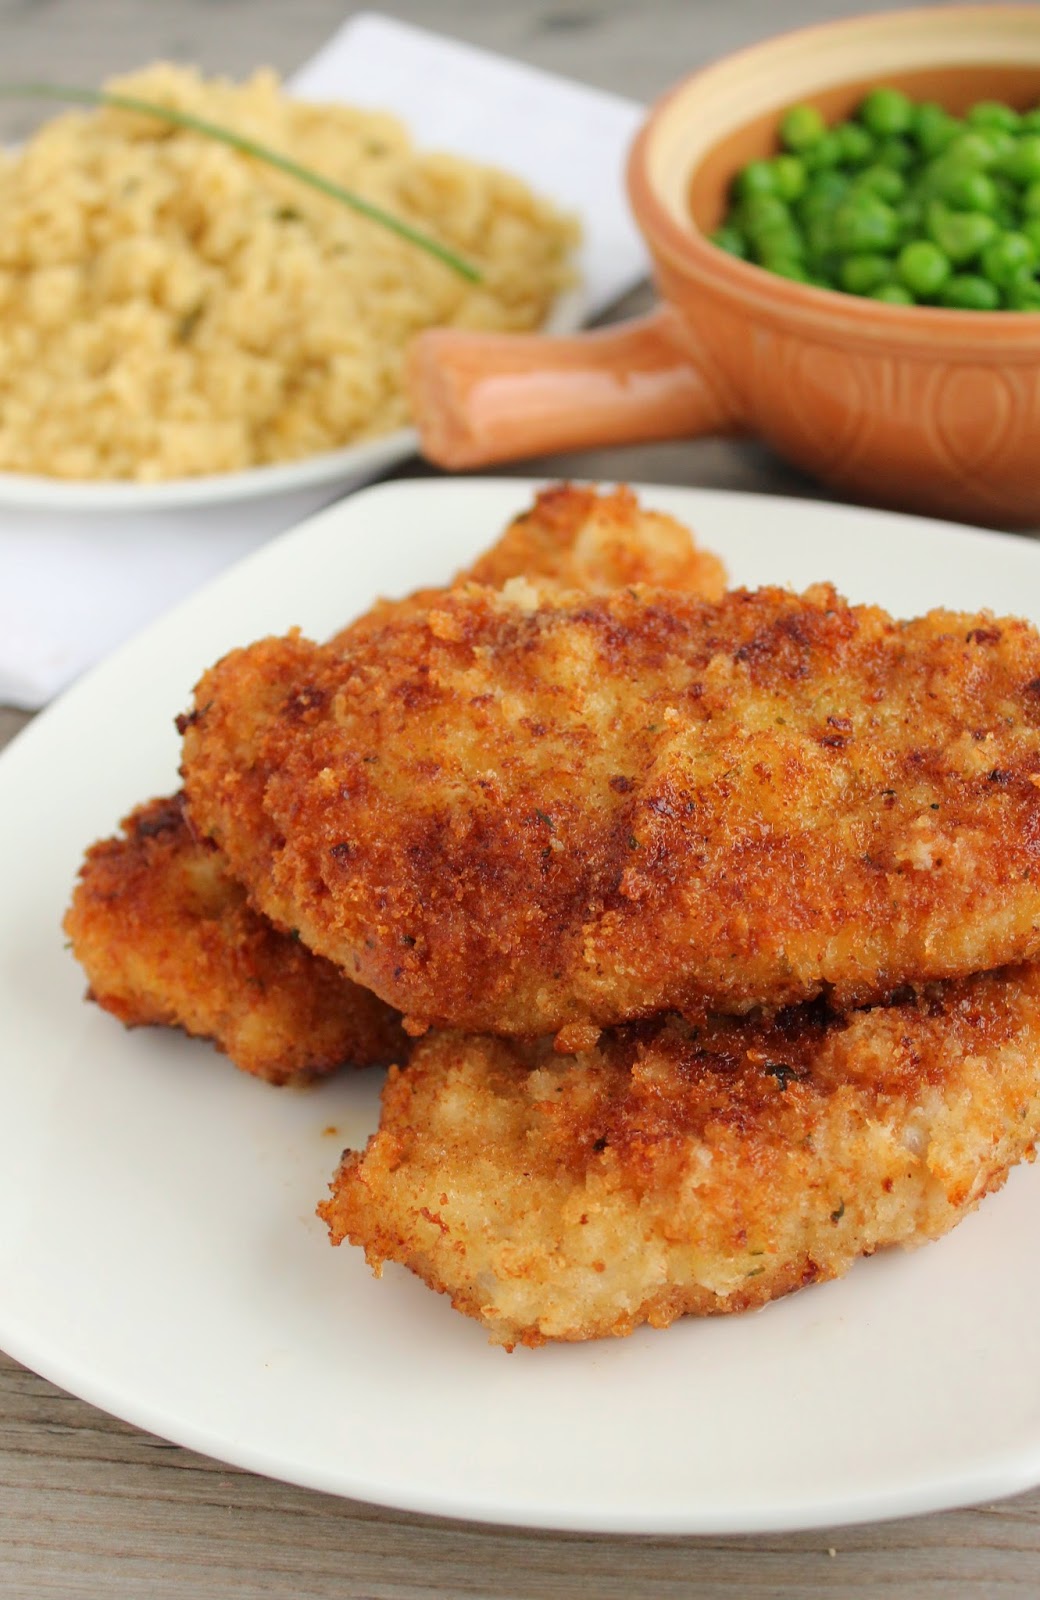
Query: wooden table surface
[[92, 1506]]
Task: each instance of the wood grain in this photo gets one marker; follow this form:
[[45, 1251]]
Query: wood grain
[[92, 1506], [83, 1496]]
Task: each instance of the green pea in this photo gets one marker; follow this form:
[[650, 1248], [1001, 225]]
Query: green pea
[[815, 208], [790, 177], [1024, 295], [756, 178], [993, 114], [1006, 257], [861, 274], [882, 181], [819, 239], [923, 268], [934, 128], [961, 235], [826, 152], [816, 226], [973, 149], [929, 178], [886, 111], [1022, 165], [897, 153], [910, 217], [787, 267], [783, 240], [857, 145], [801, 127], [863, 222], [1001, 145], [760, 211], [926, 112], [966, 291], [825, 190], [965, 188], [731, 240], [1007, 207], [903, 202]]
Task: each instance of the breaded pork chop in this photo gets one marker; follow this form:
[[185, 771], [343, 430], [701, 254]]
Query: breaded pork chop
[[152, 901], [678, 1169], [166, 936], [576, 537], [514, 817]]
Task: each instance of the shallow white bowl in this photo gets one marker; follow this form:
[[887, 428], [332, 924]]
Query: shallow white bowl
[[354, 464]]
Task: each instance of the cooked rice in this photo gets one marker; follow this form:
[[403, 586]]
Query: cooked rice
[[169, 307]]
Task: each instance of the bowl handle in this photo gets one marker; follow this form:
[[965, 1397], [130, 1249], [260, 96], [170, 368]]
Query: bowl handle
[[483, 397]]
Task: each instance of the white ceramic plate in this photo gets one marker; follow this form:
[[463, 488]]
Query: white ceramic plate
[[159, 1253], [356, 464]]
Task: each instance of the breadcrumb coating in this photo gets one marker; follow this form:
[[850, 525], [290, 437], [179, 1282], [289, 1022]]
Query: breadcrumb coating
[[575, 537], [516, 814], [163, 929], [166, 937], [681, 1168]]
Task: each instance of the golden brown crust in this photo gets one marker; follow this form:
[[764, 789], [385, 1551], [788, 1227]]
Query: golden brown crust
[[510, 815], [166, 937], [691, 1169], [163, 928], [575, 537]]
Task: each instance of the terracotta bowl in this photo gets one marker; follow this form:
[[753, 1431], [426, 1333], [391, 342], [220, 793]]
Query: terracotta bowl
[[910, 406]]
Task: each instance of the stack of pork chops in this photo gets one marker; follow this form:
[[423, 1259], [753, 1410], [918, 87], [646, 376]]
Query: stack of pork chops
[[696, 924]]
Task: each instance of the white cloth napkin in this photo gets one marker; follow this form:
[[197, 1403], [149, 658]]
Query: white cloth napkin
[[72, 585]]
